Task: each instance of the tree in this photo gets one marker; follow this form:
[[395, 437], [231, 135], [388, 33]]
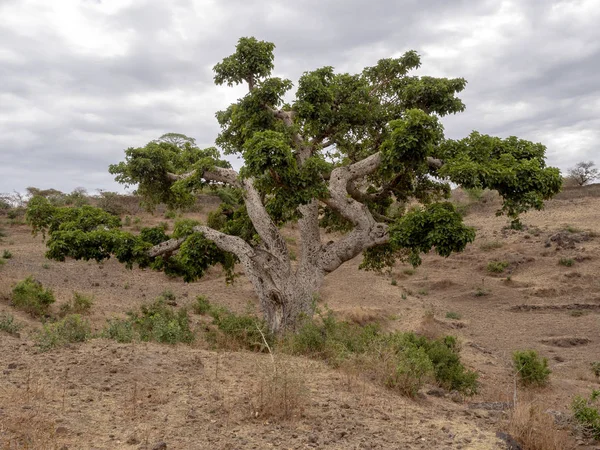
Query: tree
[[338, 155], [583, 173]]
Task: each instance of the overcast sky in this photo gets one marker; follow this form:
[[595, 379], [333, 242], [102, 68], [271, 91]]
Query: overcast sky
[[81, 80]]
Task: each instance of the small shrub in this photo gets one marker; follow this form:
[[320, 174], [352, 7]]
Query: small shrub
[[577, 313], [481, 292], [201, 305], [168, 295], [8, 324], [80, 304], [161, 323], [532, 369], [45, 266], [491, 245], [6, 254], [242, 330], [29, 295], [281, 391], [567, 262], [587, 413], [2, 262], [170, 214], [68, 330], [572, 229], [453, 315], [403, 296], [394, 282], [409, 272], [127, 221], [497, 266], [423, 292], [120, 330]]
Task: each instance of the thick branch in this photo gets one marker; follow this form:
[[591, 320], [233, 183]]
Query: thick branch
[[166, 247], [264, 225], [218, 174]]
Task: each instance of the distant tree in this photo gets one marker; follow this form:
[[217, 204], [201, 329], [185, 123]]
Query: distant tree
[[179, 140], [583, 173], [341, 154]]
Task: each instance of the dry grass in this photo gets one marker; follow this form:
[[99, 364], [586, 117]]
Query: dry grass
[[280, 392], [534, 429], [430, 327], [364, 316]]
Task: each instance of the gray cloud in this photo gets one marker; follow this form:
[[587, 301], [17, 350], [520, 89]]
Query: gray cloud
[[81, 81]]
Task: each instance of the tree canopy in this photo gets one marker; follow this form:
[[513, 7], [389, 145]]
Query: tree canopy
[[340, 151]]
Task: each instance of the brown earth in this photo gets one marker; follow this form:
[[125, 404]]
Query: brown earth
[[106, 395]]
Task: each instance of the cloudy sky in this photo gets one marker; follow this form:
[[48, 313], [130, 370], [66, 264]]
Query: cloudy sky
[[81, 80]]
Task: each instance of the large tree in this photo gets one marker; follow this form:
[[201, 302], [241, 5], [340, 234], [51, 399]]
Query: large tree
[[583, 173], [341, 153]]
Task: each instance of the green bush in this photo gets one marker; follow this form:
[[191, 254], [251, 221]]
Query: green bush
[[497, 266], [532, 369], [8, 324], [491, 245], [68, 330], [245, 330], [161, 323], [155, 322], [201, 305], [120, 330], [80, 304], [587, 413], [170, 214], [595, 366], [7, 254], [30, 296]]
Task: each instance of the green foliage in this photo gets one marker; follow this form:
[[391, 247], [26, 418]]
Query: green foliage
[[567, 262], [437, 226], [71, 329], [9, 325], [6, 254], [491, 245], [161, 323], [497, 266], [30, 296], [120, 330], [246, 330], [587, 413], [532, 369], [80, 304], [201, 305]]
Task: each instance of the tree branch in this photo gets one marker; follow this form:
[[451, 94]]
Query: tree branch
[[218, 174]]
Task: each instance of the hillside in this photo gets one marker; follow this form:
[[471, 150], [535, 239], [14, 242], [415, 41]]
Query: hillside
[[106, 395]]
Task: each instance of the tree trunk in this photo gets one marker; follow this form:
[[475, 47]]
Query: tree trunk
[[285, 298]]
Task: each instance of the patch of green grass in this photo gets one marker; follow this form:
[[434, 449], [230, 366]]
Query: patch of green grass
[[491, 245], [6, 254], [453, 315], [170, 214], [567, 262], [409, 272], [2, 262], [394, 282], [497, 266], [8, 324], [572, 229], [532, 369], [481, 292], [127, 221], [30, 296], [70, 329], [45, 266], [586, 412], [423, 292], [595, 366], [577, 313], [120, 330], [403, 296]]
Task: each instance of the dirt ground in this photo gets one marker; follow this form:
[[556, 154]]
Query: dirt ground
[[105, 395]]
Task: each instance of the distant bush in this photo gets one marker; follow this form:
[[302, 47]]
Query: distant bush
[[497, 266], [532, 369], [453, 315], [587, 413], [8, 324], [68, 330], [30, 296], [491, 245], [6, 254], [120, 330], [80, 304], [112, 202], [567, 262], [595, 366], [170, 214]]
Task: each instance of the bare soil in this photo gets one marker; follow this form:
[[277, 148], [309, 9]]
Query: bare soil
[[105, 395]]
